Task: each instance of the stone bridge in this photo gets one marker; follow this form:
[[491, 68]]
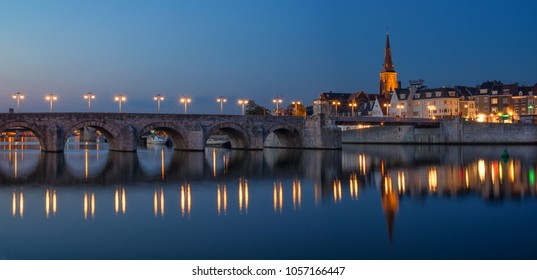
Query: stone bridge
[[124, 131]]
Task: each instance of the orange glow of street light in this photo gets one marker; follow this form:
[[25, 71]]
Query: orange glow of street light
[[185, 100], [120, 99], [51, 98], [242, 102]]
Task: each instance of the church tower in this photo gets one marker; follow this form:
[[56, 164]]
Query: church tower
[[388, 76]]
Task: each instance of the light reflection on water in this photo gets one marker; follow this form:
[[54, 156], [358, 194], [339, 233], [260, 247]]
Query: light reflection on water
[[364, 202]]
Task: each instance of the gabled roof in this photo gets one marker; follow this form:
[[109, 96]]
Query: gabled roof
[[335, 95]]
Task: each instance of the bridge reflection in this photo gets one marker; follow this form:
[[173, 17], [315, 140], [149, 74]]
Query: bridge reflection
[[280, 180]]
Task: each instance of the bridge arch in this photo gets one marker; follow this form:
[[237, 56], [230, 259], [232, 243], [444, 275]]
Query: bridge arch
[[177, 133], [238, 136], [39, 133], [287, 136], [109, 131]]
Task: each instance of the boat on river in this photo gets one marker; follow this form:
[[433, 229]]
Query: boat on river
[[215, 141], [157, 140]]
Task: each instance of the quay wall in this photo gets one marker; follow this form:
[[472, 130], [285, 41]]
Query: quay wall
[[453, 131]]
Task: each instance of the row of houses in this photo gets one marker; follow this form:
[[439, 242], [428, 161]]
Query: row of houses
[[492, 101]]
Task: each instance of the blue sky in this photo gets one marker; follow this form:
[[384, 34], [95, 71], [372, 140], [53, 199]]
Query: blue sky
[[252, 49]]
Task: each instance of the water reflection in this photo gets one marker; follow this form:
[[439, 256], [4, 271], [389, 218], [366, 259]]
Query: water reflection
[[89, 205], [158, 202], [50, 202], [186, 200], [120, 200], [243, 196], [359, 181], [221, 199], [278, 197], [17, 204]]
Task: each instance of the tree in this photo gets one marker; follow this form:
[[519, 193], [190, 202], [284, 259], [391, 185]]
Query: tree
[[253, 109], [300, 110]]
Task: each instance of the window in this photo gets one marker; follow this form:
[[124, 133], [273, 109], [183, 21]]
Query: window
[[445, 102], [494, 92], [494, 101], [485, 99], [416, 103], [417, 95], [484, 90], [438, 93], [451, 93], [505, 91], [477, 100], [403, 96], [516, 101], [505, 101], [428, 94], [494, 110]]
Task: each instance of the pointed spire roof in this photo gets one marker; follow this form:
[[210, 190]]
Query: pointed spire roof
[[388, 63]]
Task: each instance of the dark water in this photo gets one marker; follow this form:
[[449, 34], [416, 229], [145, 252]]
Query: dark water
[[364, 202]]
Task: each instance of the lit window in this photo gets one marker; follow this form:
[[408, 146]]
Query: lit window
[[494, 101]]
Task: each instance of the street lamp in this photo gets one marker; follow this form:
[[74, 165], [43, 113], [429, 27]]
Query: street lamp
[[399, 108], [185, 100], [296, 103], [18, 96], [277, 101], [50, 98], [243, 102], [158, 98], [221, 100], [89, 96], [336, 103], [387, 109], [353, 105], [120, 99]]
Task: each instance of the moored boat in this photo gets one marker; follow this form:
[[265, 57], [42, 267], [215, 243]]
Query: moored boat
[[155, 139]]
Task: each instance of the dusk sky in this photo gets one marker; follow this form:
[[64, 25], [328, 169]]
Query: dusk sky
[[252, 49]]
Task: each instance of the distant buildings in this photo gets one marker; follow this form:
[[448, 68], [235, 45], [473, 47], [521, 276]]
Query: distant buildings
[[491, 101]]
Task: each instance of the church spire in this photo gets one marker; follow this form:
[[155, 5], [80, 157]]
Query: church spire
[[388, 76], [388, 63]]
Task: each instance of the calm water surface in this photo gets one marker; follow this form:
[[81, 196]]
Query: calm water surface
[[364, 202]]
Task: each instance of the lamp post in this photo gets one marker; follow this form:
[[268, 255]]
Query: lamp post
[[50, 98], [120, 99], [353, 105], [399, 108], [277, 101], [221, 100], [336, 103], [89, 96], [185, 100], [18, 96], [296, 103], [158, 98], [243, 102], [387, 109]]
